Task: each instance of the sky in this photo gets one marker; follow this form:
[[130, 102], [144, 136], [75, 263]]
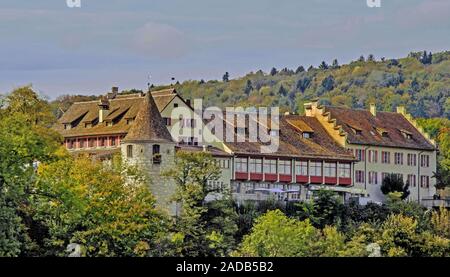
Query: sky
[[105, 43]]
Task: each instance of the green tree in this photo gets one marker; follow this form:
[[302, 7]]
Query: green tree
[[207, 227], [226, 77], [108, 210], [25, 140], [273, 71], [394, 183]]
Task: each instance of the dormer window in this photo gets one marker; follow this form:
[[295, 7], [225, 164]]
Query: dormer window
[[406, 134], [67, 126], [130, 120], [87, 125], [383, 132], [356, 131], [109, 123], [306, 135]]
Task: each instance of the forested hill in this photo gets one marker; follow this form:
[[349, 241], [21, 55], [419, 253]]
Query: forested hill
[[420, 81]]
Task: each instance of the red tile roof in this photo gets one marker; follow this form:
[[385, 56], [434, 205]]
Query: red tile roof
[[385, 129]]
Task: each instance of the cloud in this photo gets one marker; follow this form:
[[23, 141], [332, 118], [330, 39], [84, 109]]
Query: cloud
[[156, 40]]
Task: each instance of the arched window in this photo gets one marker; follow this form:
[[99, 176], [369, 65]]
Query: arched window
[[129, 151], [156, 154]]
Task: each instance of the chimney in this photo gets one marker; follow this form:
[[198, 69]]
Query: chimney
[[114, 92], [103, 108], [401, 110], [373, 109]]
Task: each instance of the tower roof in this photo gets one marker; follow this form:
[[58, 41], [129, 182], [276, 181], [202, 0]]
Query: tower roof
[[148, 125]]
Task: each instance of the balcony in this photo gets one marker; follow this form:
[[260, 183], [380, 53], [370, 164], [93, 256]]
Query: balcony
[[241, 176], [254, 176], [270, 177], [345, 181], [330, 180], [286, 178], [316, 179], [301, 179]]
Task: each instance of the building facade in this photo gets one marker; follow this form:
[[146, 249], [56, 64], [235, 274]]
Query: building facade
[[383, 143]]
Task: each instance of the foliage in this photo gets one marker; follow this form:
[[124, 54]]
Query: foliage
[[24, 140], [324, 210], [99, 207], [394, 183], [207, 227]]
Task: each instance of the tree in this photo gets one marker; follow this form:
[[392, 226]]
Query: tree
[[371, 58], [299, 69], [282, 91], [276, 235], [25, 140], [335, 64], [226, 77], [273, 71], [323, 65], [328, 83], [108, 210], [206, 227], [361, 59], [248, 87], [394, 183], [324, 210]]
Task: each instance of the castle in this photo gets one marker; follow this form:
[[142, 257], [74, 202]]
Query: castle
[[344, 150]]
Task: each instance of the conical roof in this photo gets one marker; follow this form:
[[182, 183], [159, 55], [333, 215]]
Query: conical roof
[[148, 125]]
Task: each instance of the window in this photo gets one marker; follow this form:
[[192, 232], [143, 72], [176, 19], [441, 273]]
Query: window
[[373, 178], [306, 135], [301, 168], [284, 167], [249, 188], [70, 144], [129, 151], [67, 126], [270, 166], [167, 121], [398, 158], [373, 156], [411, 159], [113, 141], [330, 169], [156, 154], [102, 142], [222, 163], [360, 154], [383, 176], [344, 170], [424, 181], [411, 180], [241, 164], [175, 105], [109, 123], [359, 176], [81, 143], [385, 157], [315, 168], [425, 161], [256, 165], [91, 142]]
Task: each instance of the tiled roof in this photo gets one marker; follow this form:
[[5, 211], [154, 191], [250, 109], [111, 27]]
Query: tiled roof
[[121, 108], [292, 143], [148, 125], [385, 129]]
